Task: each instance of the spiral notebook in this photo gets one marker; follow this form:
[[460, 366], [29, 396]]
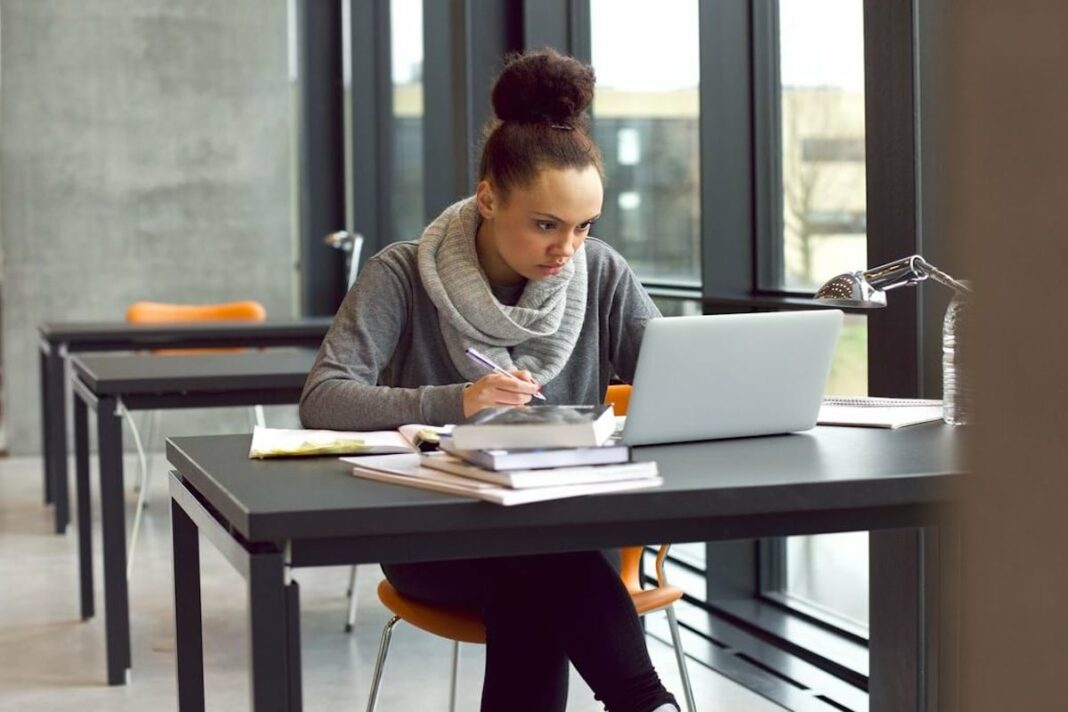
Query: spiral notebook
[[878, 412]]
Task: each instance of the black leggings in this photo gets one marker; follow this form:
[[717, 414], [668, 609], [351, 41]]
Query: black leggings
[[540, 612]]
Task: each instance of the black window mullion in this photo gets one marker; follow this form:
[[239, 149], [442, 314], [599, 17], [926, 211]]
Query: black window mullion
[[726, 145], [464, 44], [444, 89], [322, 164], [767, 146], [371, 106], [895, 334]]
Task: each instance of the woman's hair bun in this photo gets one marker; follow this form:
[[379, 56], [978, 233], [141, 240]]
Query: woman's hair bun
[[543, 86]]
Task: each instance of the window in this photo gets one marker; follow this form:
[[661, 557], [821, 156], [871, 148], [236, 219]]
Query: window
[[645, 120], [823, 163], [406, 46]]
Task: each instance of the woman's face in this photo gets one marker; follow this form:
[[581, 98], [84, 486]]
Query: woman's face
[[533, 233]]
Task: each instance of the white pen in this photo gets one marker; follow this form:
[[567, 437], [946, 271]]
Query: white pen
[[480, 359]]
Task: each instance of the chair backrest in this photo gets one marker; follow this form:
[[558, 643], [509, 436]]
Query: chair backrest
[[618, 396], [164, 313]]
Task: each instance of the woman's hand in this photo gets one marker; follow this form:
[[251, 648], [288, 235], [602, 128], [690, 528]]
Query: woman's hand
[[496, 389]]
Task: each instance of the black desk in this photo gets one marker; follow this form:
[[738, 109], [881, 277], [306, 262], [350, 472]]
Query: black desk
[[267, 517], [59, 340], [144, 381]]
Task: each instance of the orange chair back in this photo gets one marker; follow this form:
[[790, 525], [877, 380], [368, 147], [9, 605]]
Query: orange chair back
[[618, 396], [164, 313]]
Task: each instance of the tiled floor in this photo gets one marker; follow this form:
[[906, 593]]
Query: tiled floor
[[51, 660]]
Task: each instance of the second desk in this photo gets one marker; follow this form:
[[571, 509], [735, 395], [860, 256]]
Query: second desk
[[109, 383]]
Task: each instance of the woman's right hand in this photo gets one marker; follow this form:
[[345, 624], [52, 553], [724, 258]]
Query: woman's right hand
[[496, 389]]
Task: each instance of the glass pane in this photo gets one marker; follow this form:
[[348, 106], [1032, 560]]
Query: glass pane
[[406, 42], [829, 574], [645, 120], [823, 203], [849, 372]]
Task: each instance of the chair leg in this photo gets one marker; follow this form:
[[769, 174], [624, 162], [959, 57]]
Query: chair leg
[[680, 656], [380, 663], [142, 493], [350, 621], [454, 685], [257, 417]]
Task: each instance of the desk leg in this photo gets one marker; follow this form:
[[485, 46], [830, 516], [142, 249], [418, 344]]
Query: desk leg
[[57, 442], [268, 627], [85, 527], [46, 433], [113, 515], [189, 631], [293, 646]]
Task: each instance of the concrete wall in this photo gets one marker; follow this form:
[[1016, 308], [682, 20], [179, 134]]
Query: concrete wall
[[145, 153]]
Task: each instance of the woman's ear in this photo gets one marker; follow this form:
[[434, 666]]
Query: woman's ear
[[485, 199]]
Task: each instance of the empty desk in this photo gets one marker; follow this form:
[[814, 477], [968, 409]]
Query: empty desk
[[60, 339], [147, 382]]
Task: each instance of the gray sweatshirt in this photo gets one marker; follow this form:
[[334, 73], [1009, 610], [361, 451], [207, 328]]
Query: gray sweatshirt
[[383, 362]]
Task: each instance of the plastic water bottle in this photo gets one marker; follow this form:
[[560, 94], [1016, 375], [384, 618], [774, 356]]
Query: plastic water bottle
[[956, 378]]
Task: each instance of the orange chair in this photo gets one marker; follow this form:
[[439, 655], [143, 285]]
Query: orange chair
[[164, 313], [464, 626]]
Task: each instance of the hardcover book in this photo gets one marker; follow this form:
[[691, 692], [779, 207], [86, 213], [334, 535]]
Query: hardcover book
[[534, 458], [550, 477], [407, 471], [536, 426]]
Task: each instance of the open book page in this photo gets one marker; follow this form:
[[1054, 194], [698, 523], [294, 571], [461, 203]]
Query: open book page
[[405, 470], [878, 412], [283, 442]]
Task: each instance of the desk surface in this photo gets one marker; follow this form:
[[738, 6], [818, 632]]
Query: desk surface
[[830, 477], [89, 335], [108, 374]]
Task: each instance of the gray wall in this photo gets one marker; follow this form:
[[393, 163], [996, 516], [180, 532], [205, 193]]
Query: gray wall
[[145, 153]]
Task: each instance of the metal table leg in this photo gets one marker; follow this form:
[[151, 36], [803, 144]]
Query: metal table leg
[[56, 445], [269, 630], [116, 601], [46, 433], [85, 527], [187, 614]]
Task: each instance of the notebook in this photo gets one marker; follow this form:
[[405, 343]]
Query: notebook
[[730, 375]]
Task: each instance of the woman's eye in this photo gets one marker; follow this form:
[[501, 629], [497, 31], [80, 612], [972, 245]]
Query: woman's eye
[[546, 226], [586, 225]]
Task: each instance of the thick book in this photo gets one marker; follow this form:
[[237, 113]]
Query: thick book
[[536, 426], [878, 412], [552, 477], [533, 458], [407, 471], [283, 442]]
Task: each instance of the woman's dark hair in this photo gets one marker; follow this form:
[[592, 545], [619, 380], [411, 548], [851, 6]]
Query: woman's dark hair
[[540, 99]]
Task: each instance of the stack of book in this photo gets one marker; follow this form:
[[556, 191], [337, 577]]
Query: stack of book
[[518, 455]]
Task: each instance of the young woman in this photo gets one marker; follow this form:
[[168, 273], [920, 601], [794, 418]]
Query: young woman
[[513, 272]]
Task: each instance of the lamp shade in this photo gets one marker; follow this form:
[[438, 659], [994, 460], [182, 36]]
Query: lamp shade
[[851, 289]]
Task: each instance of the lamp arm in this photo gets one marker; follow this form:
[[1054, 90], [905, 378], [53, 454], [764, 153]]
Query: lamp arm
[[942, 278], [910, 270]]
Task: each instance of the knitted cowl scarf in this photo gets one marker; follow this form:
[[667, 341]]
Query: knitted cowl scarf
[[537, 334]]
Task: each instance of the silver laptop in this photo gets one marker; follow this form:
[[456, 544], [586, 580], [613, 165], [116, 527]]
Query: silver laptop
[[732, 375]]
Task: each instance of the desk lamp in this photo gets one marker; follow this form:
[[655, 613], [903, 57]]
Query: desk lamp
[[867, 289]]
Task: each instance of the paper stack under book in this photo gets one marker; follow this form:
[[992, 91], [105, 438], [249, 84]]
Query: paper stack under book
[[514, 456]]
